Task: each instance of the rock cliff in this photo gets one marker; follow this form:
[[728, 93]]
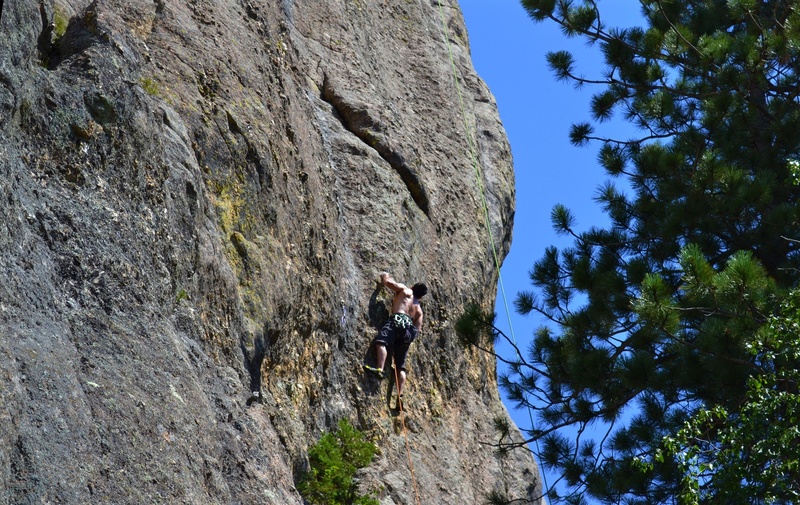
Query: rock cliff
[[196, 198]]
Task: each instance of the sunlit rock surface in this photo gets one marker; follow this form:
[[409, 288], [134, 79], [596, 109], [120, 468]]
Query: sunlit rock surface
[[196, 199]]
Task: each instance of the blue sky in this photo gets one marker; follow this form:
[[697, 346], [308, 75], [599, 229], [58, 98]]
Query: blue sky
[[508, 52]]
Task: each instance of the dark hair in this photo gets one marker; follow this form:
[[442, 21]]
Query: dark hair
[[420, 290]]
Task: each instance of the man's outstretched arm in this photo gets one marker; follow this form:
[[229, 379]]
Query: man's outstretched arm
[[392, 284]]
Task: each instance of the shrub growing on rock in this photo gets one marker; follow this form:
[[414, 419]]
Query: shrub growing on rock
[[334, 460]]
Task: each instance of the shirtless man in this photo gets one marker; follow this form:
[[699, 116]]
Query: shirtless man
[[400, 330]]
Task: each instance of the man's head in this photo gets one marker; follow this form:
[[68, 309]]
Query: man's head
[[420, 290]]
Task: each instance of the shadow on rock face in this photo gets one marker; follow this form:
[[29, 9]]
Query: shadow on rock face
[[377, 311], [254, 350], [81, 32]]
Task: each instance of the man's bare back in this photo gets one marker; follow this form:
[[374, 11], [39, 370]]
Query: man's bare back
[[403, 301]]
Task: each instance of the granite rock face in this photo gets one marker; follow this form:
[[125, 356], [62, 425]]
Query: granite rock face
[[196, 199]]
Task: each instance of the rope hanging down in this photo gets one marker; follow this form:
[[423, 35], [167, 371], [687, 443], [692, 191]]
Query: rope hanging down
[[405, 435], [472, 144]]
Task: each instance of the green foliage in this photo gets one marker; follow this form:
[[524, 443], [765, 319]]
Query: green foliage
[[496, 497], [655, 317], [749, 454], [476, 327], [333, 461], [794, 169]]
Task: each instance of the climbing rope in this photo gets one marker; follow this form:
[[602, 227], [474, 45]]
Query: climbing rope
[[472, 144], [405, 433]]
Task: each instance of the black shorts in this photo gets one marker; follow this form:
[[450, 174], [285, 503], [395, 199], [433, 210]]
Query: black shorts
[[397, 338]]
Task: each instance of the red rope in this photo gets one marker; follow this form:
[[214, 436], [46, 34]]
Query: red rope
[[405, 434]]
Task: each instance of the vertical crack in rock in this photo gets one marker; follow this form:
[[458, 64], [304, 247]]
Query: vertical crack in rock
[[357, 119], [44, 41]]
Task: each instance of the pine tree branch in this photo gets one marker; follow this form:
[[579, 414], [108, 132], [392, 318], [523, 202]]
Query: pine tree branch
[[729, 359], [521, 362], [675, 29], [626, 143]]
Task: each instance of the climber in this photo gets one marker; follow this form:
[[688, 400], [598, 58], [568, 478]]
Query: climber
[[400, 330]]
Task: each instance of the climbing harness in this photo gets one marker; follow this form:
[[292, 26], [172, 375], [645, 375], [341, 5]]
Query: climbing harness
[[401, 321]]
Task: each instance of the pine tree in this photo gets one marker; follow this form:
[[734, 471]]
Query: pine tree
[[653, 317], [749, 454]]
